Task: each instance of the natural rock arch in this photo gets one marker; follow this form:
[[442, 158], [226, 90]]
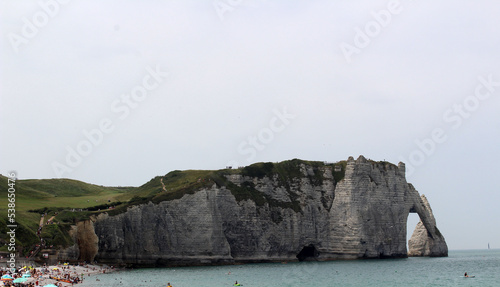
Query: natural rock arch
[[311, 212], [426, 239]]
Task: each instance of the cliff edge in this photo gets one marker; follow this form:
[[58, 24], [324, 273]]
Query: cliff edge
[[293, 210]]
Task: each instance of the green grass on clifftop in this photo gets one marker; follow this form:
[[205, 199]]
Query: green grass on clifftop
[[74, 200]]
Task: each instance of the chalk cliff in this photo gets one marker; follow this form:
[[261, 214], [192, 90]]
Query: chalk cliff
[[425, 240], [274, 212]]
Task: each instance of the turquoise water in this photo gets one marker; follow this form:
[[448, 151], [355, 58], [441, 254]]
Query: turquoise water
[[448, 271]]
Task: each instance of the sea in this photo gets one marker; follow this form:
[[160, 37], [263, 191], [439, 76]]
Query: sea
[[484, 265]]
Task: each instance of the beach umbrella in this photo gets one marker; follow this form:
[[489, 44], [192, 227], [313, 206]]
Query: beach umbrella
[[49, 285], [55, 268], [19, 280], [26, 275], [7, 277]]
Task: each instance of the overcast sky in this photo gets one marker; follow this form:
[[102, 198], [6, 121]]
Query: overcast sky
[[117, 92]]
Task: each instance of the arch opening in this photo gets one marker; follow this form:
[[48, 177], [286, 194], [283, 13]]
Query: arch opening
[[411, 224], [308, 253]]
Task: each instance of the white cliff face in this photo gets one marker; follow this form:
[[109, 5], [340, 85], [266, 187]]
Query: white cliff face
[[427, 239], [309, 216], [369, 214]]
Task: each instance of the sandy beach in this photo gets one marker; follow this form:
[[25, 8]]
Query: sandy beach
[[44, 275]]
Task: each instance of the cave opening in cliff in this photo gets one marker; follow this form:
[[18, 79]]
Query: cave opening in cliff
[[308, 253]]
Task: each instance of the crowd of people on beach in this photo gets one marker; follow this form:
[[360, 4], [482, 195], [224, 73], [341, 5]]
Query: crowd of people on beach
[[59, 275]]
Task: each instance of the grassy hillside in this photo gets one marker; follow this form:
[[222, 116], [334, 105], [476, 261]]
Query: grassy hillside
[[34, 197], [74, 200], [38, 193]]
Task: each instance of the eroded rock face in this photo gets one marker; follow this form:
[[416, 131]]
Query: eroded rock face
[[85, 247], [311, 216], [427, 241]]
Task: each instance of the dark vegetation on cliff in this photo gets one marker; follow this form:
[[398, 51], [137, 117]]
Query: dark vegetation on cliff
[[71, 201]]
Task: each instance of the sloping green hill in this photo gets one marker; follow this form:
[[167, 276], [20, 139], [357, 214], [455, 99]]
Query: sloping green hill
[[65, 187], [74, 200]]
